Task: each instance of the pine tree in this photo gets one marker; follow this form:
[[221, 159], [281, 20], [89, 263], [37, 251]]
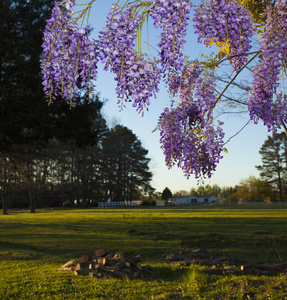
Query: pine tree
[[125, 165], [273, 156]]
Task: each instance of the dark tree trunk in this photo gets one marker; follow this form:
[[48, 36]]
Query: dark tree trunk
[[4, 205]]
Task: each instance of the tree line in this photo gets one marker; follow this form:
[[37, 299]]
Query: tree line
[[98, 164], [52, 151], [109, 163]]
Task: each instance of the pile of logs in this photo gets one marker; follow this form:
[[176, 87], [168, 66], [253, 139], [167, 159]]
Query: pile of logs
[[103, 264], [218, 264]]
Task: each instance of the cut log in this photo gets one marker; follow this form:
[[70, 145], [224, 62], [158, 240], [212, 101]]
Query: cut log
[[84, 272], [110, 255], [66, 268], [190, 262], [128, 264], [112, 261], [68, 265], [198, 250], [115, 274], [101, 252], [101, 260], [134, 264], [119, 255], [97, 267], [82, 265], [126, 270], [279, 267], [85, 258], [133, 259], [174, 257], [119, 265]]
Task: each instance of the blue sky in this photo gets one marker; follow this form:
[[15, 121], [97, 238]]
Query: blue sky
[[243, 150]]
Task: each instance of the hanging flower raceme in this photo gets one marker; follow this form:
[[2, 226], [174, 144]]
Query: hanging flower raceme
[[172, 17], [226, 22], [187, 134], [69, 56], [265, 102], [137, 77]]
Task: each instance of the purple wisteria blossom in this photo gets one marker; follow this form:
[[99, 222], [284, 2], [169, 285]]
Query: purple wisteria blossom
[[188, 136], [265, 102], [225, 21], [172, 17], [69, 56], [137, 76]]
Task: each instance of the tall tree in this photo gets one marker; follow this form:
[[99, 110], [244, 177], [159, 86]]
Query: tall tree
[[125, 164], [273, 156], [23, 110]]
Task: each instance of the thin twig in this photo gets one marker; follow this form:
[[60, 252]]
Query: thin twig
[[236, 55], [237, 132], [234, 77]]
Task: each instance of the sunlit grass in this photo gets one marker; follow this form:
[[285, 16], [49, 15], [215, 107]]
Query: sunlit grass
[[33, 246]]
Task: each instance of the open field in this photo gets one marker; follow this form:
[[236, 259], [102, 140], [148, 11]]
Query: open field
[[33, 246]]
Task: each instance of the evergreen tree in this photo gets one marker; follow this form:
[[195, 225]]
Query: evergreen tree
[[273, 156], [166, 194], [23, 110], [125, 165]]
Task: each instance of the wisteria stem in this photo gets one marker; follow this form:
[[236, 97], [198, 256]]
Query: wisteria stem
[[284, 126]]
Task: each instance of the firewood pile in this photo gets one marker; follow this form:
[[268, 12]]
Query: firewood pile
[[219, 264], [107, 265]]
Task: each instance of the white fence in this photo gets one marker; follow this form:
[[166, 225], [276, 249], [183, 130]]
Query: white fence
[[249, 203], [114, 204]]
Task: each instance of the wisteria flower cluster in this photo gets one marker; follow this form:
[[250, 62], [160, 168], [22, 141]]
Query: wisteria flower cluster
[[225, 21], [172, 17], [188, 136], [69, 56], [137, 77], [262, 103], [183, 83]]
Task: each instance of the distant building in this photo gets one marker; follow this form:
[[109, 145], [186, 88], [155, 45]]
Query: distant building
[[193, 200], [162, 203]]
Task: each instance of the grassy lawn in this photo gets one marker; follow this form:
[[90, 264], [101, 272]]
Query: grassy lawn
[[33, 246]]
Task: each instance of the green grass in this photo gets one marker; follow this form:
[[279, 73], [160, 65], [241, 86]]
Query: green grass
[[33, 246]]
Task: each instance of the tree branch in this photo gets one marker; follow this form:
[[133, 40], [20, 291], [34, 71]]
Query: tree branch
[[236, 55], [284, 126]]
